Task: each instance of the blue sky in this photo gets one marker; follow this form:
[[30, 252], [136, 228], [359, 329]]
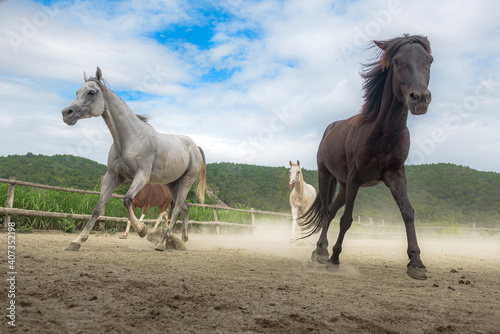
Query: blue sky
[[250, 81]]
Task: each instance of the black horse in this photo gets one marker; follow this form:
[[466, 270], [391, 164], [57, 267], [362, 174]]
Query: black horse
[[372, 146]]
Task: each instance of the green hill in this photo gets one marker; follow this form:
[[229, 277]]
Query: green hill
[[57, 170], [440, 193], [264, 188]]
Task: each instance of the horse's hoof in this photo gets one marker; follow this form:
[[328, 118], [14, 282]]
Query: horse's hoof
[[330, 266], [155, 237], [143, 232], [321, 258], [416, 272], [73, 246], [160, 247], [185, 238], [123, 236]]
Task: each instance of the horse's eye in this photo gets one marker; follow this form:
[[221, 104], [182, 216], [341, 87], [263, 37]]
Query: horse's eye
[[395, 62], [431, 60], [91, 92]]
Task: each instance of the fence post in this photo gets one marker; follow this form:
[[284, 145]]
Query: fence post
[[217, 226], [253, 217], [10, 200]]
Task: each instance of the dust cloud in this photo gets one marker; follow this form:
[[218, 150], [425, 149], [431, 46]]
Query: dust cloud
[[273, 239]]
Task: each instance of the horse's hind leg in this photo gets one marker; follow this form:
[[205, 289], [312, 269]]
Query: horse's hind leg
[[163, 214], [185, 221], [158, 221], [322, 244], [351, 190], [179, 190], [168, 214], [325, 182]]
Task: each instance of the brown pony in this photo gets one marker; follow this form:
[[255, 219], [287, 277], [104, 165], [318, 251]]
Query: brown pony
[[152, 195], [372, 146]]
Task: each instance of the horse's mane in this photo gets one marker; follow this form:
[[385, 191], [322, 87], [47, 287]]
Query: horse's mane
[[103, 84], [375, 73]]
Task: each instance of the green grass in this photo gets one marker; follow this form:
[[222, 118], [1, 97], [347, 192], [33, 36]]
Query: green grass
[[58, 201]]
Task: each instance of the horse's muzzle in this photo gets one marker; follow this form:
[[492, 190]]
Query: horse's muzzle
[[418, 101], [70, 115]]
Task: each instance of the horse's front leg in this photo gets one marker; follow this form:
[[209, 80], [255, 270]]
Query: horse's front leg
[[397, 184], [125, 234], [137, 184], [109, 183]]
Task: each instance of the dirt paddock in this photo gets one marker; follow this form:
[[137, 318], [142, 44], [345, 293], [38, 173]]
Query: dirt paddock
[[250, 283]]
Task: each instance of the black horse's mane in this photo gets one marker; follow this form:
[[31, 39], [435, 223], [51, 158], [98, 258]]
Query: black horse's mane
[[375, 73]]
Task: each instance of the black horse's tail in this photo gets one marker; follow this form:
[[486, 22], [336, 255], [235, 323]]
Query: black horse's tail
[[311, 221]]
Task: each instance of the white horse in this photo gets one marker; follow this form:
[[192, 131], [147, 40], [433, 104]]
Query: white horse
[[139, 154], [301, 197]]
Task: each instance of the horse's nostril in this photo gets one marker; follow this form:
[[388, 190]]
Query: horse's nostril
[[426, 96], [414, 97], [69, 112]]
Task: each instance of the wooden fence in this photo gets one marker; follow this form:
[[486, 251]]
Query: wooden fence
[[9, 210], [371, 228], [374, 228]]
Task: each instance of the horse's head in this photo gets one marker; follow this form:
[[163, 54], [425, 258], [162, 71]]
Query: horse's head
[[89, 100], [294, 173], [410, 61]]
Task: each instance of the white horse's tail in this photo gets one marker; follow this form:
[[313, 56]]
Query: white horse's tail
[[203, 178]]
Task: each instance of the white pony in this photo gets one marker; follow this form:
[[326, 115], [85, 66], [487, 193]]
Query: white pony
[[301, 197]]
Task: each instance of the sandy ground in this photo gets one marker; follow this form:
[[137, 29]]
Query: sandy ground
[[253, 283]]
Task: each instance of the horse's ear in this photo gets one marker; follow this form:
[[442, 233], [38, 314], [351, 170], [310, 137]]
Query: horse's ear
[[85, 76], [98, 74], [298, 163], [290, 163], [380, 44]]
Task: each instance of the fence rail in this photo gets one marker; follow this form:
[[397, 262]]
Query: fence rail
[[9, 210], [376, 228]]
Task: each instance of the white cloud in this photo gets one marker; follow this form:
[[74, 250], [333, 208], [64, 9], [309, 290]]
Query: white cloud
[[302, 57]]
